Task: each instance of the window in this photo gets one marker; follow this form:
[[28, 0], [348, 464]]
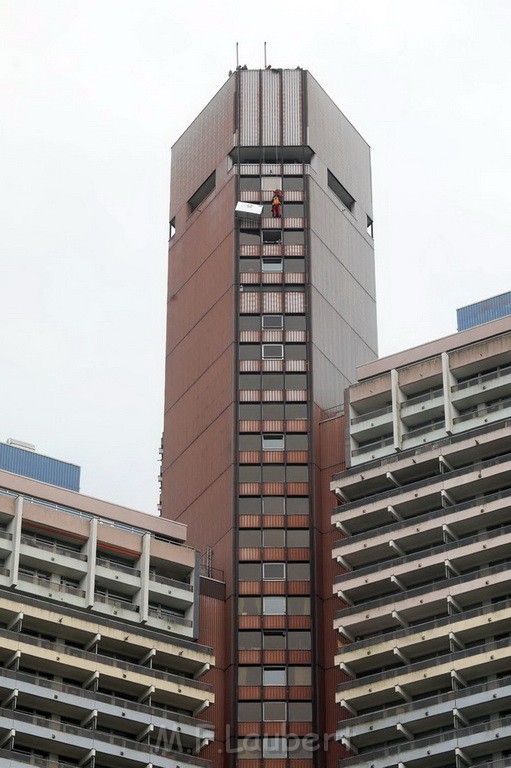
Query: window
[[274, 641], [273, 442], [274, 711], [274, 537], [250, 184], [298, 606], [369, 226], [274, 747], [297, 473], [172, 228], [270, 264], [298, 571], [292, 183], [250, 351], [204, 190], [297, 442], [274, 605], [294, 237], [274, 676], [249, 323], [298, 538], [296, 410], [274, 473], [273, 321], [296, 380], [274, 505], [273, 381], [248, 442], [270, 352], [296, 352], [298, 505], [248, 641], [299, 675], [294, 265], [248, 748], [341, 192], [249, 711], [249, 473], [249, 538], [295, 323], [249, 571], [273, 411], [249, 505], [250, 411], [249, 606], [272, 236], [299, 641], [300, 711], [250, 675], [293, 209], [249, 237], [250, 381], [274, 571], [271, 182]]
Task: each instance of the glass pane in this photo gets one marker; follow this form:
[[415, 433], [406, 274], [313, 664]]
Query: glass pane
[[298, 505], [299, 606], [296, 323], [274, 676], [249, 606], [249, 711], [249, 505], [250, 411], [249, 640], [298, 473], [274, 505], [249, 474], [297, 442], [296, 352], [249, 322], [274, 711], [272, 410], [298, 538], [249, 538], [249, 675], [299, 675], [274, 537], [274, 571], [296, 410], [300, 711], [296, 380], [274, 605], [292, 183], [299, 641], [274, 641], [250, 381], [249, 572], [274, 747], [298, 571], [272, 381], [274, 474], [249, 442]]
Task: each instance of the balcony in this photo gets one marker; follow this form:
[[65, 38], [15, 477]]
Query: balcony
[[477, 389], [426, 406], [42, 731], [374, 423]]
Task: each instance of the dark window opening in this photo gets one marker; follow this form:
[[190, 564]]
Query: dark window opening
[[271, 236], [172, 228], [370, 227], [201, 194], [340, 192]]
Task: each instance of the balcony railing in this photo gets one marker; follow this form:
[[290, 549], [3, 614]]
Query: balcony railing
[[481, 378], [434, 661], [376, 446], [41, 581], [170, 582], [111, 564], [371, 415], [59, 549], [448, 549], [427, 703], [93, 696], [96, 736], [158, 613], [483, 410], [116, 602], [456, 736], [8, 757], [417, 520], [103, 659], [423, 398], [441, 584]]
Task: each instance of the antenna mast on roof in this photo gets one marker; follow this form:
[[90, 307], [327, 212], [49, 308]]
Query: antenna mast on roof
[[237, 57], [265, 54]]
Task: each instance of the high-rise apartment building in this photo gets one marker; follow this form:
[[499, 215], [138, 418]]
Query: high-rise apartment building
[[99, 667], [424, 515], [271, 306]]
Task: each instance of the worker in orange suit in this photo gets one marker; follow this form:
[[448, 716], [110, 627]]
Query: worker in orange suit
[[276, 204]]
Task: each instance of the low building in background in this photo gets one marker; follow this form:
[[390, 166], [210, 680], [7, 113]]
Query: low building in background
[[22, 459], [425, 519], [484, 311], [99, 666]]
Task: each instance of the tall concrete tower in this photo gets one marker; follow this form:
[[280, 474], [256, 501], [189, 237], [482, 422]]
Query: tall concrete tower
[[270, 310]]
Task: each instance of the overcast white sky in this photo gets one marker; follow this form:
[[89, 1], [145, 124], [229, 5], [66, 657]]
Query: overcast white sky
[[92, 95]]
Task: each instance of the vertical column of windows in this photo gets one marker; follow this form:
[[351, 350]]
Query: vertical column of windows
[[273, 504]]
